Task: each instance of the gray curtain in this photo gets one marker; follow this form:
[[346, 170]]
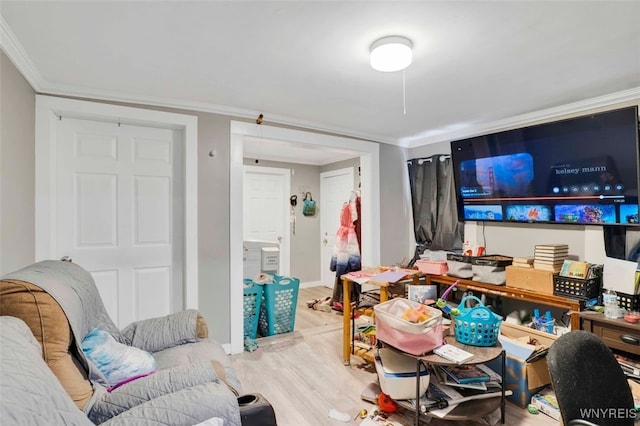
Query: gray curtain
[[433, 200]]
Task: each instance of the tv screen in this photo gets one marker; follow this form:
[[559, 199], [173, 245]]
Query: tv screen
[[578, 171]]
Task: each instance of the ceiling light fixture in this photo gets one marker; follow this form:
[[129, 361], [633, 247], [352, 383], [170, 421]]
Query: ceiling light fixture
[[392, 53]]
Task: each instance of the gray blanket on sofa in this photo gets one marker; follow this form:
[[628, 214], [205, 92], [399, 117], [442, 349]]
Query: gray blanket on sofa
[[174, 385]]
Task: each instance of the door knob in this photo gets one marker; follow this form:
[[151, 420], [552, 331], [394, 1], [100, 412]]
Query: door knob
[[325, 241]]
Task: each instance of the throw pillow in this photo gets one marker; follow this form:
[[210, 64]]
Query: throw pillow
[[117, 362]]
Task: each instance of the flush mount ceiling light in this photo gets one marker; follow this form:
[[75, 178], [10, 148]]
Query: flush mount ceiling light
[[392, 53]]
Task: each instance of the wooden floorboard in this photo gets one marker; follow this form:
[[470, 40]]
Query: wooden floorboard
[[302, 374]]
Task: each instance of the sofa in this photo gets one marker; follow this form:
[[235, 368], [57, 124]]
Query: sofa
[[50, 308]]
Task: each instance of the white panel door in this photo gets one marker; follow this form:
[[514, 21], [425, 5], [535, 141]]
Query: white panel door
[[335, 189], [265, 208], [119, 213]]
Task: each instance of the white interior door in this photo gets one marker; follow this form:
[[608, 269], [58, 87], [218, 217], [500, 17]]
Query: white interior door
[[120, 213], [335, 189], [266, 208]]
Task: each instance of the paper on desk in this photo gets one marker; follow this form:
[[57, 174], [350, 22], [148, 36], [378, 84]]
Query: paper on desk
[[389, 276], [619, 275]]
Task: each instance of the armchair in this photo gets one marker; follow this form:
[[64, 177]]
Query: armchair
[[60, 304]]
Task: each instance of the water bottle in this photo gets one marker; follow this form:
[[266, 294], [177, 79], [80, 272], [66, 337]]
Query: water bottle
[[610, 301]]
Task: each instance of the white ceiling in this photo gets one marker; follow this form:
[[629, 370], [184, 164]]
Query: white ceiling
[[478, 65]]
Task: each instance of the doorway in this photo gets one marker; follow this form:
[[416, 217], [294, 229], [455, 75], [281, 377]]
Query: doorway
[[369, 162]]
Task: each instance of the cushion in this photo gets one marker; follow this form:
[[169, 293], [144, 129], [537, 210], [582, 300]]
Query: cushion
[[49, 325], [117, 362]]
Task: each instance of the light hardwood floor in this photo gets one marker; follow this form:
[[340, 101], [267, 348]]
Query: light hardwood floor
[[302, 374]]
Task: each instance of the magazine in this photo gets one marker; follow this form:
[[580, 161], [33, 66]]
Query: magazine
[[466, 373]]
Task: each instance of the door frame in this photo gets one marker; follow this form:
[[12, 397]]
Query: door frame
[[49, 109], [370, 192], [285, 248]]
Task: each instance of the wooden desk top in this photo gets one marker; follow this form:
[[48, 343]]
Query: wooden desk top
[[366, 275]]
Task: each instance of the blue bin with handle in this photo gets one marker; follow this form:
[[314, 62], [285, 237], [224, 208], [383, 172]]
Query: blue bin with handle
[[278, 311], [253, 295]]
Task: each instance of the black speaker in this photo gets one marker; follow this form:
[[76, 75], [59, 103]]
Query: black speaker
[[255, 410]]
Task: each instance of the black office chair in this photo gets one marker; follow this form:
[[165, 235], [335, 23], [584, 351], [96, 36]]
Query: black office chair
[[590, 386]]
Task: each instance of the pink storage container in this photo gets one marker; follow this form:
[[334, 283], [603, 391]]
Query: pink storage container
[[413, 338], [432, 266]]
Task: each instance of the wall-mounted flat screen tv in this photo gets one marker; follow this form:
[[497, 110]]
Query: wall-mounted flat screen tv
[[577, 171]]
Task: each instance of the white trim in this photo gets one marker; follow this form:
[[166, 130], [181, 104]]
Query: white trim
[[370, 168], [285, 248], [16, 53], [49, 108], [309, 284]]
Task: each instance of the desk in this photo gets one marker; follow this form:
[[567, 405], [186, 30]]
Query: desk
[[473, 409], [513, 293], [384, 296], [615, 333]]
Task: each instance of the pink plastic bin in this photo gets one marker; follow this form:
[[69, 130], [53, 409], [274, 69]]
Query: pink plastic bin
[[432, 267], [413, 338]]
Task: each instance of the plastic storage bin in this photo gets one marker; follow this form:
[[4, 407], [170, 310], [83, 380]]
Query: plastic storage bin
[[477, 326], [432, 266], [397, 374], [576, 288], [490, 269], [278, 311], [413, 338], [253, 293]]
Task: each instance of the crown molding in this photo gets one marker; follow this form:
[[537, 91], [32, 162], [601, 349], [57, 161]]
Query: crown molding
[[523, 120], [16, 53]]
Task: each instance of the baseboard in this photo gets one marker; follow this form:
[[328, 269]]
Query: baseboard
[[311, 284]]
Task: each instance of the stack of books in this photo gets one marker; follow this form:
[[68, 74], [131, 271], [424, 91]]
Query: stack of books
[[550, 257], [523, 262]]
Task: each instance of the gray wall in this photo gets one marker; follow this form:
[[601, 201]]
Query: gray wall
[[17, 168], [17, 195]]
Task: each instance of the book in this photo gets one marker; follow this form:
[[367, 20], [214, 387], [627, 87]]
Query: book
[[551, 247], [574, 269], [466, 373], [526, 260], [547, 267], [453, 353], [445, 379]]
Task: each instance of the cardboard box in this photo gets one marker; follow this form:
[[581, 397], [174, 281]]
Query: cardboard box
[[523, 378], [537, 280]]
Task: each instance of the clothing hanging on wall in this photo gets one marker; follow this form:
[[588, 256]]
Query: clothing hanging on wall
[[346, 250]]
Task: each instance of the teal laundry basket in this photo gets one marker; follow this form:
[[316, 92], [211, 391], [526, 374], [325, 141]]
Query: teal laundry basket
[[278, 311], [253, 295]]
